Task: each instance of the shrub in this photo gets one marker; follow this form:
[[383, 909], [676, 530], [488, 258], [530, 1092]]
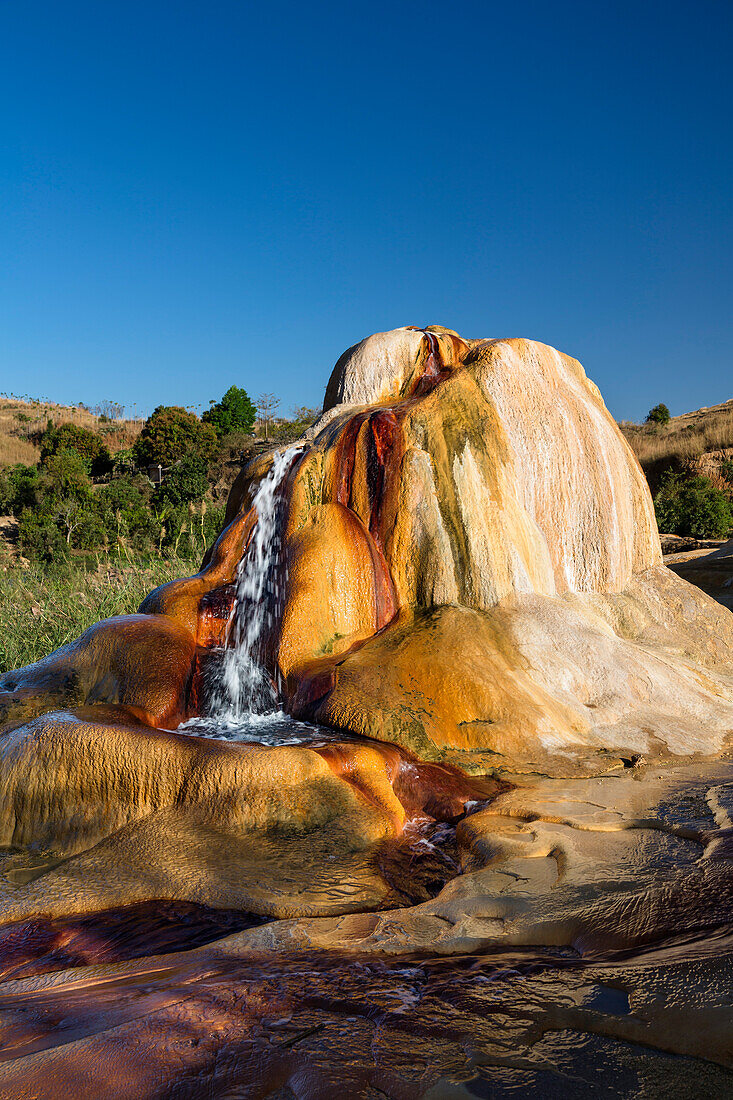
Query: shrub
[[658, 415], [65, 474], [726, 470], [234, 413], [81, 441], [186, 482], [127, 518], [169, 434], [692, 506], [19, 488], [191, 528]]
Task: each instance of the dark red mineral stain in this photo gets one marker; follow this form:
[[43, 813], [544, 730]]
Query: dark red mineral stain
[[133, 931]]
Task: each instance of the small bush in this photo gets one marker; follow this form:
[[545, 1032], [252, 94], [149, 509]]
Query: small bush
[[726, 471], [128, 520], [19, 488], [692, 506], [186, 482]]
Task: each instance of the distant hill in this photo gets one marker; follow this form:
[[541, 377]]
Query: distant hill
[[699, 441], [23, 421]]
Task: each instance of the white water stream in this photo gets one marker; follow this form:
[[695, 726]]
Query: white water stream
[[244, 703], [246, 687]]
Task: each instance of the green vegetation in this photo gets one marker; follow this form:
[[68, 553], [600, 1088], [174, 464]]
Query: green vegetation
[[693, 506], [42, 607], [171, 433], [79, 499], [660, 414], [82, 441], [234, 413], [287, 430], [689, 468], [86, 533]]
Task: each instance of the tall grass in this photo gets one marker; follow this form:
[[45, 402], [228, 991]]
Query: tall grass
[[684, 439], [43, 607], [14, 450]]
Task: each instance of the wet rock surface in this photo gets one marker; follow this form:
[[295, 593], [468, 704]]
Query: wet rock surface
[[583, 947]]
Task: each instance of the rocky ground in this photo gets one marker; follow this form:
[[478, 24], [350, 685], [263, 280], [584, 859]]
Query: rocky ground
[[582, 948], [709, 567]]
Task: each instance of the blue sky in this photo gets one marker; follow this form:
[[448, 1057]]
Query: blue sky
[[198, 194]]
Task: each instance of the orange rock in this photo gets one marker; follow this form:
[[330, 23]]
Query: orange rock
[[333, 585]]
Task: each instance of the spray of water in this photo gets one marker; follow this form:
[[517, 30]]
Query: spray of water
[[246, 688]]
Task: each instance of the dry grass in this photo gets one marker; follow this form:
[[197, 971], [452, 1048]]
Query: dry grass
[[21, 422], [684, 441], [14, 450]]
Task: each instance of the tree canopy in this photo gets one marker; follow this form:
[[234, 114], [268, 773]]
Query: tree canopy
[[660, 414], [234, 413], [170, 433], [72, 437]]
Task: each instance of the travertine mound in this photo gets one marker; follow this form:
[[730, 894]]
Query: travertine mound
[[514, 558], [473, 568]]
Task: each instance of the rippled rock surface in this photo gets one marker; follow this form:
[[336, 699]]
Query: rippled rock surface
[[483, 849]]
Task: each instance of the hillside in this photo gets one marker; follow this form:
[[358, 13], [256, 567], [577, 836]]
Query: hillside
[[22, 421], [699, 441]]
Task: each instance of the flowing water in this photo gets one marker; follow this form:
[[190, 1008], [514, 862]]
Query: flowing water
[[246, 691]]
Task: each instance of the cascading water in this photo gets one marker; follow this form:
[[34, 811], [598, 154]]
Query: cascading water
[[246, 687], [243, 699], [243, 703]]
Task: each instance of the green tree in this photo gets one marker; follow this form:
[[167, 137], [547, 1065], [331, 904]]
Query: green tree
[[234, 413], [169, 434], [186, 482], [65, 474], [692, 506], [658, 415], [59, 511], [72, 437]]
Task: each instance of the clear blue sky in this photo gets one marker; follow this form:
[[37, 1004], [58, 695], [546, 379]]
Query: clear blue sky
[[195, 194]]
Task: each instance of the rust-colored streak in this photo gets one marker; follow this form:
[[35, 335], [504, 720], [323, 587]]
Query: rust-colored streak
[[215, 613], [346, 457], [382, 452], [381, 438], [310, 686], [381, 447], [434, 369], [439, 791]]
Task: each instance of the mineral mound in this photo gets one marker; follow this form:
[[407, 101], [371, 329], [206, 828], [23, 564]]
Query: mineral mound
[[469, 574], [502, 710]]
